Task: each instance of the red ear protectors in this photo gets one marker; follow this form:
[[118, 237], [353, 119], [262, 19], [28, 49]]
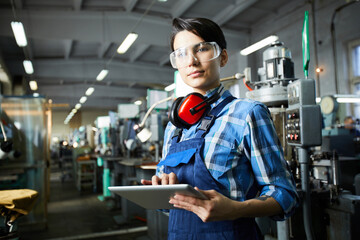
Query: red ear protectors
[[187, 111]]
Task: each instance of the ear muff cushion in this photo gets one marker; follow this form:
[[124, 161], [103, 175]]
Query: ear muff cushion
[[173, 116], [183, 109]]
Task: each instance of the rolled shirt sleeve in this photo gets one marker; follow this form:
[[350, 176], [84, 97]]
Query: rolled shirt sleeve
[[262, 146]]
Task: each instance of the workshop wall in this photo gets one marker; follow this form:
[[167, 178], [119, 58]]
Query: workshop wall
[[61, 130]]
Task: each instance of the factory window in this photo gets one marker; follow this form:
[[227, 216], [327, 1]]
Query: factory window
[[354, 52], [356, 61], [354, 57]]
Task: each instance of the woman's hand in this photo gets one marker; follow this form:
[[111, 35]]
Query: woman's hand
[[166, 179], [217, 208]]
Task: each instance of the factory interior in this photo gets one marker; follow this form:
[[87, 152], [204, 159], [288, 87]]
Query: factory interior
[[81, 113]]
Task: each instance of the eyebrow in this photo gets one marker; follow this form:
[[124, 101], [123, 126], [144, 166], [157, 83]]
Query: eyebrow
[[190, 45]]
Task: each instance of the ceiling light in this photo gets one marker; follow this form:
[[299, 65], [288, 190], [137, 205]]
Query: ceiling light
[[102, 75], [19, 33], [129, 40], [36, 95], [138, 102], [89, 91], [347, 100], [318, 70], [170, 87], [259, 45], [74, 110], [33, 85], [83, 99], [28, 67], [77, 106], [3, 76]]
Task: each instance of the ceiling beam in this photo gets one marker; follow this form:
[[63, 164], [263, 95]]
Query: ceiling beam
[[103, 49], [88, 69], [232, 10], [164, 60], [78, 5], [101, 91], [91, 103], [88, 26], [131, 4], [181, 7], [68, 45], [138, 52]]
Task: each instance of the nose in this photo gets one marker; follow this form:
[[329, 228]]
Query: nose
[[192, 60]]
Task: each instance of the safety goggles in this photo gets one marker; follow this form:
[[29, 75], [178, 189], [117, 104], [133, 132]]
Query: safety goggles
[[201, 52]]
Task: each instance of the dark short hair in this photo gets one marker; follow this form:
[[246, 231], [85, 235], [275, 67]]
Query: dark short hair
[[202, 27]]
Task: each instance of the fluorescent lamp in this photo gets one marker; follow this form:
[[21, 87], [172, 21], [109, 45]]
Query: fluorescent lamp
[[33, 85], [28, 67], [36, 94], [348, 100], [74, 110], [129, 40], [138, 102], [259, 45], [89, 91], [83, 99], [170, 87], [19, 33], [77, 106], [102, 75]]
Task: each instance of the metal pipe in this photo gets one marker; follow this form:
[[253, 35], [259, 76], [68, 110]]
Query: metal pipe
[[234, 77], [335, 168], [305, 187]]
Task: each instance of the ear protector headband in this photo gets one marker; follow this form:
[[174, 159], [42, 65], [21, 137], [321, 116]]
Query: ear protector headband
[[187, 111]]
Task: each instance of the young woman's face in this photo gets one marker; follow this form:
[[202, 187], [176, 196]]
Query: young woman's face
[[201, 76]]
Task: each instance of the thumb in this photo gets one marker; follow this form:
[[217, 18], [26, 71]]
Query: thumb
[[146, 182], [208, 193]]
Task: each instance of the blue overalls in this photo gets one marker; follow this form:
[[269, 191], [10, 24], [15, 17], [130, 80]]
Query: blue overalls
[[185, 160]]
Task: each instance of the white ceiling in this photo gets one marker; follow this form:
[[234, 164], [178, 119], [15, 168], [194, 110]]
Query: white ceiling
[[70, 41]]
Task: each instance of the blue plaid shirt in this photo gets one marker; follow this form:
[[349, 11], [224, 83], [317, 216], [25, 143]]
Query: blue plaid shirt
[[243, 153]]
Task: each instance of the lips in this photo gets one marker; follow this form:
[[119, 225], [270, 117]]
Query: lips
[[196, 73]]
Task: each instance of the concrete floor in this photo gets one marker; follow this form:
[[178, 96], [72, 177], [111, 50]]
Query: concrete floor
[[81, 215]]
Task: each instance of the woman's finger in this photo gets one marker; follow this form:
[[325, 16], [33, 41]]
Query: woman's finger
[[155, 180], [173, 178], [146, 182]]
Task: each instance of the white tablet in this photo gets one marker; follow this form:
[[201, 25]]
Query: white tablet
[[155, 196]]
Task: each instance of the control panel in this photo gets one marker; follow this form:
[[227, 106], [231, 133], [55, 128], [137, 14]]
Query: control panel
[[303, 116], [293, 126]]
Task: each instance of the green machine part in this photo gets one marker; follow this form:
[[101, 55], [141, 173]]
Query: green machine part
[[305, 44]]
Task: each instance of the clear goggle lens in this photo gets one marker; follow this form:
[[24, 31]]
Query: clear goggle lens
[[202, 52]]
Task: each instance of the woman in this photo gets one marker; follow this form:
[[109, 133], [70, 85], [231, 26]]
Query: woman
[[231, 158]]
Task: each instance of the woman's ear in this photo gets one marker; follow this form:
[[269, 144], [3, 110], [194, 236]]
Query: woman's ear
[[223, 58]]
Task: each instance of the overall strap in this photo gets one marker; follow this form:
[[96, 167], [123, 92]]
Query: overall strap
[[177, 135], [209, 119]]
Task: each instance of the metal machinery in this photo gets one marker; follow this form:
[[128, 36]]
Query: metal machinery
[[24, 140], [329, 208]]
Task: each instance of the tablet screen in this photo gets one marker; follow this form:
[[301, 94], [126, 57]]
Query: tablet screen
[[155, 196]]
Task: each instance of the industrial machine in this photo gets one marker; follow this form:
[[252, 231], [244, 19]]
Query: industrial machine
[[326, 180]]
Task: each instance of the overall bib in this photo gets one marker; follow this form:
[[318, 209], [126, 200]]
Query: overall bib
[[185, 160]]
